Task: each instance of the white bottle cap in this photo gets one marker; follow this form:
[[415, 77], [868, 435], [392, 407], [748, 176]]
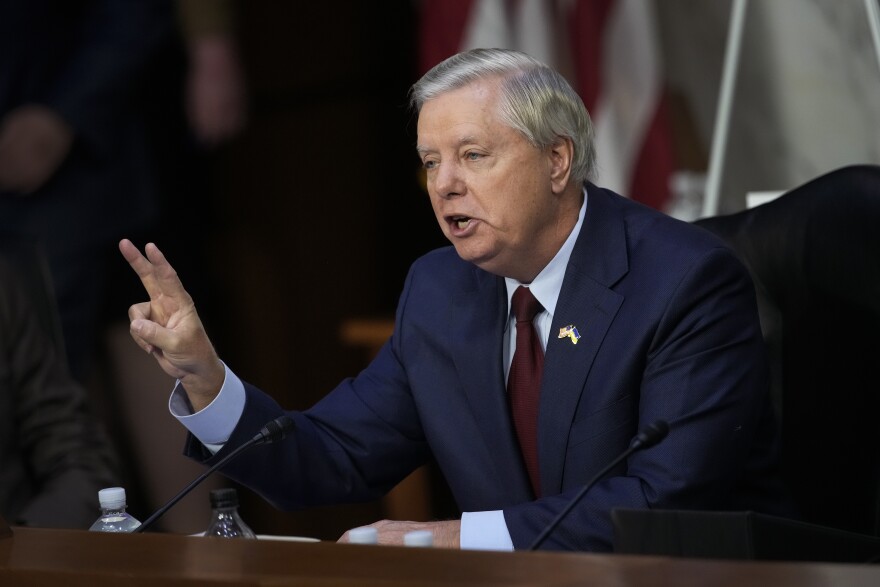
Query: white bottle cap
[[363, 535], [418, 538], [112, 497]]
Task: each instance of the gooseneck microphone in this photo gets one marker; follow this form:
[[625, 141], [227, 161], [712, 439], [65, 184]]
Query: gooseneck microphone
[[273, 431], [646, 438]]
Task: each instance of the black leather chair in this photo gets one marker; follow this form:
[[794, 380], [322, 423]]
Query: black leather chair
[[814, 254]]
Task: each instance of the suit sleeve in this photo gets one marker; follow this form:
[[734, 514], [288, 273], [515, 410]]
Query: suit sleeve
[[354, 445]]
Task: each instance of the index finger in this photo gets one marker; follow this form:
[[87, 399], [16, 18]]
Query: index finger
[[155, 272]]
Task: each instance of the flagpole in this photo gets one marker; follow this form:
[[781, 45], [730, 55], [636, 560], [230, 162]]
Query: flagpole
[[725, 100], [873, 9]]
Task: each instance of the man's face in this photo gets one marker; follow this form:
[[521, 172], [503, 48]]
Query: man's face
[[492, 192]]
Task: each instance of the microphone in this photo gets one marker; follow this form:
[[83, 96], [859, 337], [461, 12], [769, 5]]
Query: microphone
[[273, 431], [646, 438]]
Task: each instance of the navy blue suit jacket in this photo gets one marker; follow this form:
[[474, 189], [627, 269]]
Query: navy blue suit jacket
[[669, 329]]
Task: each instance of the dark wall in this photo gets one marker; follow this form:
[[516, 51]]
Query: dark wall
[[317, 209]]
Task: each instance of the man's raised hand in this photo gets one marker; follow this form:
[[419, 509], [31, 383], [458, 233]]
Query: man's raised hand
[[168, 326]]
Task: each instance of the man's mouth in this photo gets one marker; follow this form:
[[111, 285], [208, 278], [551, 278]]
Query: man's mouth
[[461, 221]]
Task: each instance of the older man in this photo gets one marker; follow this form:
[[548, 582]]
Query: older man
[[638, 317]]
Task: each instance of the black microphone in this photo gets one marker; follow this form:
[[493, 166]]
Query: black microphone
[[273, 431], [646, 438]]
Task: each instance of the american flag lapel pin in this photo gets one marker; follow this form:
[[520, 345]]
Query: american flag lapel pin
[[570, 332]]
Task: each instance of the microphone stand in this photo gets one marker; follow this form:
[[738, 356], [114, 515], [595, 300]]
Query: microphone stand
[[271, 432], [651, 435]]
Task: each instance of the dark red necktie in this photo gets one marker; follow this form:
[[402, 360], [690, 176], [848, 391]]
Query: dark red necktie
[[524, 380]]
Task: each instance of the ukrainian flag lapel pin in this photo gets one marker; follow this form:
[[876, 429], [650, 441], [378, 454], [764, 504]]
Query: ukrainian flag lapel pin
[[570, 332]]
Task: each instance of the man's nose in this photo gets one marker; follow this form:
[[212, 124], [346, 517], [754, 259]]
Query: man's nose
[[448, 182]]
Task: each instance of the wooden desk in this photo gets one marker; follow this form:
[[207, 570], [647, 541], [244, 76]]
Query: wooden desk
[[73, 557]]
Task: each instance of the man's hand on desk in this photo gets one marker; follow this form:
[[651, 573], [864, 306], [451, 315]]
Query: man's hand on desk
[[446, 533]]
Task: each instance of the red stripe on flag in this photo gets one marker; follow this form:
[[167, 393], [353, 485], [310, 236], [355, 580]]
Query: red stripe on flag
[[587, 29], [656, 161], [441, 29]]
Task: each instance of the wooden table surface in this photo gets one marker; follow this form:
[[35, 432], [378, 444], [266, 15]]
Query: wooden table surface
[[72, 557]]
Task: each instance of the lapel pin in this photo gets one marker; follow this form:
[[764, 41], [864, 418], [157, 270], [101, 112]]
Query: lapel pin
[[571, 332]]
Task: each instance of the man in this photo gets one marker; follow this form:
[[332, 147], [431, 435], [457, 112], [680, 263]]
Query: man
[[54, 455], [641, 318]]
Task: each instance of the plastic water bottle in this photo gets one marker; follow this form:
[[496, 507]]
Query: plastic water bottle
[[114, 518], [225, 520]]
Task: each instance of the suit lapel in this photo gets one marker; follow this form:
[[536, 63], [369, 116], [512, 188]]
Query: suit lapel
[[586, 301], [480, 315]]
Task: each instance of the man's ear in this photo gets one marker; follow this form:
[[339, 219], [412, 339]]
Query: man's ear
[[561, 155]]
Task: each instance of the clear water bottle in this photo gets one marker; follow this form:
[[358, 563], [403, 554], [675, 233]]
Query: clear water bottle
[[225, 520], [114, 518]]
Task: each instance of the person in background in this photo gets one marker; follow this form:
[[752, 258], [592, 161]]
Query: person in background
[[639, 318], [215, 86], [54, 454], [108, 112], [81, 88], [99, 100]]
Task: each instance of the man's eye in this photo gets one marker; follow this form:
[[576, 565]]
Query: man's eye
[[472, 156], [429, 164]]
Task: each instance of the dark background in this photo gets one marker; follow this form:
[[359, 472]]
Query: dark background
[[312, 216]]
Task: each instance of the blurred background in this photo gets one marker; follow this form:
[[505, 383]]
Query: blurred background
[[293, 225]]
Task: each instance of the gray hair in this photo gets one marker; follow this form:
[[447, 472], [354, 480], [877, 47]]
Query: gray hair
[[535, 99]]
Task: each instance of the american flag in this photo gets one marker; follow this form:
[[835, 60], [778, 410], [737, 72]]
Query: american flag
[[608, 49]]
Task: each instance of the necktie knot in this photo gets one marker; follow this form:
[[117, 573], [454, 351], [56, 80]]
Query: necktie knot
[[525, 305]]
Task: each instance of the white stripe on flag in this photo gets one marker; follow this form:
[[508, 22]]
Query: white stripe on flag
[[631, 84], [488, 26], [530, 28], [534, 26]]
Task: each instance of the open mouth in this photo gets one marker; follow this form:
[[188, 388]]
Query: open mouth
[[461, 222]]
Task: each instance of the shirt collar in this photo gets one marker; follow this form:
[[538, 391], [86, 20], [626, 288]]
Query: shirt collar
[[548, 283]]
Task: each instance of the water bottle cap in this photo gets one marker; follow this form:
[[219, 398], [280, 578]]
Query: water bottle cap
[[112, 497], [418, 538], [363, 535], [224, 498]]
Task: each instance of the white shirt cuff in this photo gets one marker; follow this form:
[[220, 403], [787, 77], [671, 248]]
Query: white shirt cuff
[[485, 531], [214, 424]]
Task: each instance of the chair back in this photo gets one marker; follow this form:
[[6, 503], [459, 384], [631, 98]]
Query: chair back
[[814, 255]]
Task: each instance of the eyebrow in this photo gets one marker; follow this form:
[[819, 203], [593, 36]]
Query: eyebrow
[[421, 149]]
